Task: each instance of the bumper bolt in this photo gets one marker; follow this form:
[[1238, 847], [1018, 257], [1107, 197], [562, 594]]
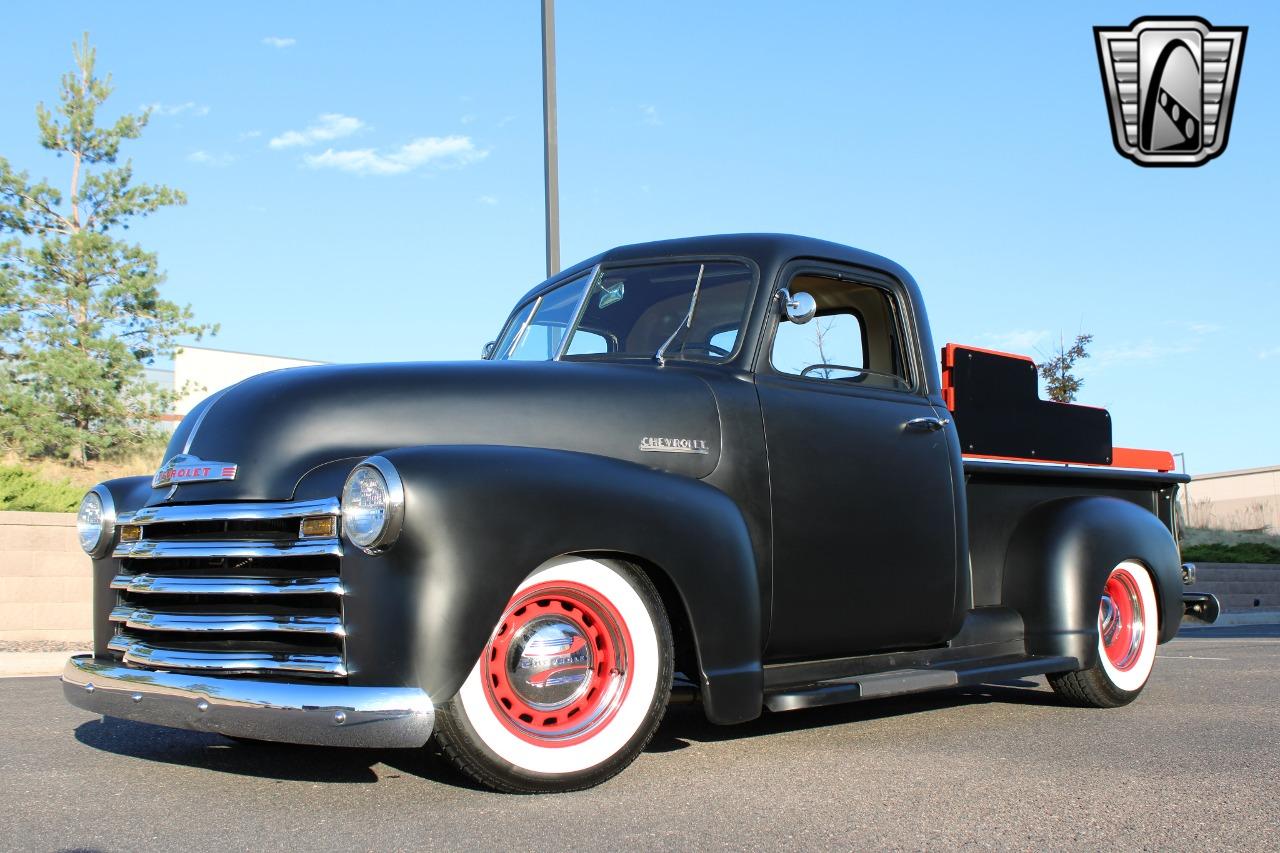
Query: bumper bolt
[[137, 697], [202, 705], [339, 717], [88, 688]]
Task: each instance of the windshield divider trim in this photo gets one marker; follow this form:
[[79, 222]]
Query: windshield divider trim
[[577, 312]]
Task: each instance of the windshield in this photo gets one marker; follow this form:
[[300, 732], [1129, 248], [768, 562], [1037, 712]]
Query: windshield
[[633, 312]]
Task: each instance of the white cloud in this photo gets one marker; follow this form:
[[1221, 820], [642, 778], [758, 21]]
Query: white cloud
[[1265, 354], [204, 158], [505, 120], [1203, 328], [443, 152], [1018, 341], [488, 200], [249, 134], [186, 108], [328, 126], [469, 118], [279, 41], [1144, 351], [649, 115]]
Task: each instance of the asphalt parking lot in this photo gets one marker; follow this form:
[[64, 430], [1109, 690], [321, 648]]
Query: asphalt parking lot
[[1195, 763]]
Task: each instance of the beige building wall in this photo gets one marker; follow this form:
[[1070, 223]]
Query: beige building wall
[[199, 372], [1236, 500], [46, 581]]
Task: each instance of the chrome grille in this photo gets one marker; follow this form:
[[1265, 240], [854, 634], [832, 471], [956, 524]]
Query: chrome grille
[[232, 589]]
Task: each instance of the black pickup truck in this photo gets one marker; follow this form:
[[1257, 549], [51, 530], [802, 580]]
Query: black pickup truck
[[729, 469]]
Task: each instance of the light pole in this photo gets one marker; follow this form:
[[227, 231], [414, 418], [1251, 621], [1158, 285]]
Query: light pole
[[550, 153]]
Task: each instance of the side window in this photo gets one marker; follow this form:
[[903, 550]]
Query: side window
[[724, 341], [827, 347], [855, 338], [587, 343]]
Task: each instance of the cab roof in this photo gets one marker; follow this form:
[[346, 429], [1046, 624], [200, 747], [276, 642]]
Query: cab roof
[[768, 251]]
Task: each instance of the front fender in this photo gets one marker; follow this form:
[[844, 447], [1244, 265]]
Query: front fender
[[479, 519], [128, 494], [1058, 561]]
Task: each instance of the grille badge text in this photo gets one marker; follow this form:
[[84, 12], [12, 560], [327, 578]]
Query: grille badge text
[[185, 468]]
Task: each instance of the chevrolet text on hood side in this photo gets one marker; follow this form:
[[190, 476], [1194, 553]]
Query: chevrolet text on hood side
[[727, 469]]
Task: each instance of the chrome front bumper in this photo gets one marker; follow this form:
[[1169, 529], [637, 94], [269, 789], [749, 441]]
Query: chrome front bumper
[[322, 714]]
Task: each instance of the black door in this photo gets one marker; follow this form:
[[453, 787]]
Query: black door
[[864, 520]]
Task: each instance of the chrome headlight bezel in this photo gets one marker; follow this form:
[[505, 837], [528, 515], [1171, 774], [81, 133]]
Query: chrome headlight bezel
[[393, 506], [105, 527]]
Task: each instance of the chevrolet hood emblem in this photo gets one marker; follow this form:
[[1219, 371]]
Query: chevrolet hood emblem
[[185, 468]]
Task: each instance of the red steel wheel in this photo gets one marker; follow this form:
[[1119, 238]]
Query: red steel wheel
[[570, 686], [557, 668], [1128, 629], [1121, 620]]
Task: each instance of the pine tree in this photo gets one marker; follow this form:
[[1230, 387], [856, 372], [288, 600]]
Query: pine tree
[[1061, 384], [81, 310]]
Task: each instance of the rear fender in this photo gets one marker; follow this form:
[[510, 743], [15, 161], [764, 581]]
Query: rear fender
[[1058, 561], [479, 519]]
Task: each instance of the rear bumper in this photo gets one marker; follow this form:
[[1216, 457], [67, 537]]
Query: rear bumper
[[1202, 606], [321, 714]]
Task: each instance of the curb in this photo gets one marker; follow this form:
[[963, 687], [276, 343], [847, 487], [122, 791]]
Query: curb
[[26, 664]]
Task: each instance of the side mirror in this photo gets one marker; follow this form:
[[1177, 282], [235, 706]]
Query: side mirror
[[800, 308], [487, 350]]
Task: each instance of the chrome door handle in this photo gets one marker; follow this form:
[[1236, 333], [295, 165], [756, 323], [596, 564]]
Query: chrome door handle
[[926, 424]]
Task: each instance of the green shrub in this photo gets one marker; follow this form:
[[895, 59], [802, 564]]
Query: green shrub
[[27, 491], [1245, 552]]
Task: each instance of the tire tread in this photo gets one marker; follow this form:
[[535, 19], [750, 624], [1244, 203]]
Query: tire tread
[[1090, 688]]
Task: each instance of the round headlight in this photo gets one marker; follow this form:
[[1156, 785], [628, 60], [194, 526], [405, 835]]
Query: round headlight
[[96, 521], [372, 505]]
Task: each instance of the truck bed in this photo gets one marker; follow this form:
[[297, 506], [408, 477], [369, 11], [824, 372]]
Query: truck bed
[[1000, 493]]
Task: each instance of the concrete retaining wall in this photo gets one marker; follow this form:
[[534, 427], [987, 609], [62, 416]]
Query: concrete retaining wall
[[46, 588], [1240, 587], [46, 581]]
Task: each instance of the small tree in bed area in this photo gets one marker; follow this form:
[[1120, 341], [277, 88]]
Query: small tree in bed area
[[1061, 384]]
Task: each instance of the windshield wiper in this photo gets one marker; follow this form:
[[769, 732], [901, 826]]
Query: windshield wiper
[[687, 322]]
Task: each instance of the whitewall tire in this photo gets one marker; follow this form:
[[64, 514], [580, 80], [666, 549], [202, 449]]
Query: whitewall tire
[[1128, 632], [571, 685]]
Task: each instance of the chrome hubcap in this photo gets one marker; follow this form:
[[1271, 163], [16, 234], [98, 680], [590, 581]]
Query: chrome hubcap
[[550, 663], [1110, 620], [1121, 620]]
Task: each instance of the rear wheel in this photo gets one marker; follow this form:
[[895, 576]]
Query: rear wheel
[[1127, 636], [571, 685]]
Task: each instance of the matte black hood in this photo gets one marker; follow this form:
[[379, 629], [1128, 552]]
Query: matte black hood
[[278, 426]]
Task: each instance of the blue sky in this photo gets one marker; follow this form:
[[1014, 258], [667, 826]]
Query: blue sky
[[366, 184]]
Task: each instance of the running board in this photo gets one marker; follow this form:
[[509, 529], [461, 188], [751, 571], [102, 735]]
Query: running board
[[900, 682]]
